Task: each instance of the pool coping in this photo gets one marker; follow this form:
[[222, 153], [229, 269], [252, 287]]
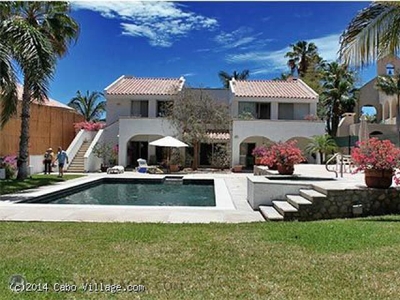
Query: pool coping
[[232, 206]]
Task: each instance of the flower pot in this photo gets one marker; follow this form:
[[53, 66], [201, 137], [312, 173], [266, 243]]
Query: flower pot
[[379, 179], [285, 169], [237, 168], [174, 168], [257, 161], [273, 167]]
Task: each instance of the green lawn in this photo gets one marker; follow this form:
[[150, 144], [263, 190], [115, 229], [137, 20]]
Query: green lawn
[[341, 259], [13, 185]]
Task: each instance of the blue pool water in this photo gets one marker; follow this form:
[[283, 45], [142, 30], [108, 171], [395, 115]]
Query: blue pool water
[[143, 194]]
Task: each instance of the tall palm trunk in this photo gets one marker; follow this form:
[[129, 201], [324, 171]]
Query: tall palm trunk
[[23, 156]]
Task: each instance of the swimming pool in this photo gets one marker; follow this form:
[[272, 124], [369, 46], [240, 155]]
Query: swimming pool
[[138, 193]]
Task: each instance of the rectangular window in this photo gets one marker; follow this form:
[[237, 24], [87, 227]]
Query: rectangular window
[[247, 108], [264, 111], [140, 108], [285, 111], [163, 107]]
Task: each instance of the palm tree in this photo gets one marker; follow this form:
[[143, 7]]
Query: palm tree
[[36, 34], [322, 145], [302, 56], [88, 105], [339, 94], [390, 85], [226, 77], [374, 32]]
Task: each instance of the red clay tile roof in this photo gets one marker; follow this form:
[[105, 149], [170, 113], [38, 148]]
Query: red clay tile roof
[[128, 85], [47, 102], [273, 89]]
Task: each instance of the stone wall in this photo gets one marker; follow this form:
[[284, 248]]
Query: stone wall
[[339, 204]]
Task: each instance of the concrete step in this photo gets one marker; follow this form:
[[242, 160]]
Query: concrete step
[[312, 195], [297, 201], [320, 190], [285, 209], [270, 213]]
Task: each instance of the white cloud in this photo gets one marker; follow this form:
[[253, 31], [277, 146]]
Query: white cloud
[[266, 62], [237, 38], [162, 23], [189, 74]]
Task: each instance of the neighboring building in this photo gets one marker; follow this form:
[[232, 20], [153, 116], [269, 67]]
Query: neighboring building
[[51, 125], [274, 110], [385, 106]]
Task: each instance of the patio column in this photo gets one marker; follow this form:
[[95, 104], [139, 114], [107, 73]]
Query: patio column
[[383, 112], [274, 111]]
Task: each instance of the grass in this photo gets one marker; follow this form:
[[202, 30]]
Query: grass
[[13, 185], [340, 259]]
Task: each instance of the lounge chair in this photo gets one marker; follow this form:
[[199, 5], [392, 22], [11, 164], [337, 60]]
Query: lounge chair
[[116, 170], [142, 166]]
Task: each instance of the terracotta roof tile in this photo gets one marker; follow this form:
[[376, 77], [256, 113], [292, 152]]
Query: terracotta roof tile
[[145, 86], [47, 102], [273, 89]]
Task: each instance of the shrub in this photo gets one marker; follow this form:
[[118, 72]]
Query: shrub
[[9, 163], [90, 126], [376, 154], [284, 154]]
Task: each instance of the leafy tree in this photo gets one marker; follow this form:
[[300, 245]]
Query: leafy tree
[[89, 105], [339, 94], [390, 85], [226, 77], [322, 145], [194, 113], [33, 35], [374, 32], [302, 56]]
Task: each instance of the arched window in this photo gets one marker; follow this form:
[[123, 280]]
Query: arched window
[[389, 69]]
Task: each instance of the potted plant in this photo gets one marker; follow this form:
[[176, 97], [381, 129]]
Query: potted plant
[[378, 159], [284, 155], [175, 160], [104, 151], [259, 152]]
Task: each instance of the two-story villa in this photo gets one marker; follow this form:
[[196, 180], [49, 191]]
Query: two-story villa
[[275, 111]]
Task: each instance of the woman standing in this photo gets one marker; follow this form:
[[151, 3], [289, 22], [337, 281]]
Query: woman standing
[[48, 160]]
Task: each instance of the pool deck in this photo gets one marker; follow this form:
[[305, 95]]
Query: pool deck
[[237, 211]]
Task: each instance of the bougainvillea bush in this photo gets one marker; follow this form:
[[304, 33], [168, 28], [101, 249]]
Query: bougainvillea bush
[[260, 151], [9, 163], [283, 154], [90, 126], [376, 154]]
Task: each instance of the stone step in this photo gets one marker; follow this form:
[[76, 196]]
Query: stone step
[[285, 209], [311, 194], [320, 190], [297, 201], [270, 213]]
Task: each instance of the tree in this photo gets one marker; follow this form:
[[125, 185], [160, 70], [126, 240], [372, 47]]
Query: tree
[[390, 85], [35, 35], [194, 113], [374, 32], [302, 56], [322, 145], [88, 105], [339, 94], [226, 77]]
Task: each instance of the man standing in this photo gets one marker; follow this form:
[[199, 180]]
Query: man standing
[[61, 157]]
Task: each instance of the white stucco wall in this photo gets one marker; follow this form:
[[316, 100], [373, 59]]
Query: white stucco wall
[[274, 130]]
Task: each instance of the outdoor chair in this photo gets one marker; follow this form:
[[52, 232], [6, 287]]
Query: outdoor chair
[[116, 170], [142, 166]]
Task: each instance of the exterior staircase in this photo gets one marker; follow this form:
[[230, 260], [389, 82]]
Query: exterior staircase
[[77, 164], [293, 207]]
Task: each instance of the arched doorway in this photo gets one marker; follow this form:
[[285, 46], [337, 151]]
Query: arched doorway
[[138, 147], [247, 146]]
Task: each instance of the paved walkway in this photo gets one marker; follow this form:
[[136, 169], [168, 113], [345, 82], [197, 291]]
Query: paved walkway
[[235, 183]]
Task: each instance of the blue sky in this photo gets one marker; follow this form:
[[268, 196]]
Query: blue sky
[[195, 40]]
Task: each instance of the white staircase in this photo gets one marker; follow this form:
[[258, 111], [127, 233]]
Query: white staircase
[[77, 164], [293, 207]]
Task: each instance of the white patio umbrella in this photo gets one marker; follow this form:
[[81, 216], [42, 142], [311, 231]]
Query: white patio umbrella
[[170, 142], [363, 133]]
